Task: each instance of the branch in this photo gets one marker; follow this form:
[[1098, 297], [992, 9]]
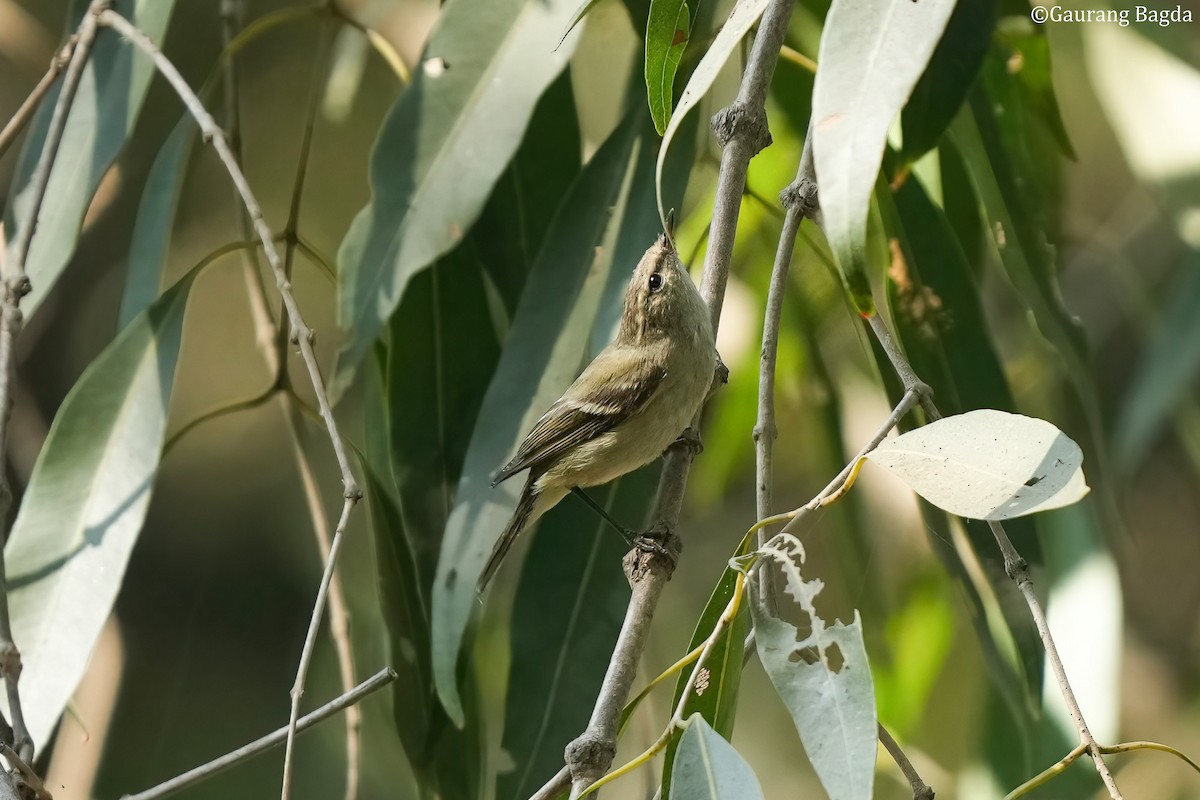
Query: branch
[[1014, 565], [15, 286], [742, 131], [920, 789], [299, 334], [13, 128], [271, 740]]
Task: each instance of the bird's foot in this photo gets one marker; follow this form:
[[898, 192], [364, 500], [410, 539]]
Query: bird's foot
[[690, 441], [656, 549]]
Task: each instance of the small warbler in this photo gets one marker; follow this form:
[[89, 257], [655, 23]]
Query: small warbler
[[634, 399]]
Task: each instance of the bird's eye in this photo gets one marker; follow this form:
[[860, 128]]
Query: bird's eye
[[656, 281]]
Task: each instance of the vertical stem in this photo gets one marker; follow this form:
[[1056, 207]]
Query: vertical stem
[[15, 286]]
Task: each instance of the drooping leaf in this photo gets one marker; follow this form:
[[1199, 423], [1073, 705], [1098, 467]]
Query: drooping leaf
[[943, 88], [715, 695], [543, 352], [708, 768], [667, 32], [872, 53], [569, 608], [85, 504], [425, 193], [823, 677], [987, 464], [741, 19], [105, 109]]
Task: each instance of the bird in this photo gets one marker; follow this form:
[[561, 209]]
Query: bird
[[635, 398]]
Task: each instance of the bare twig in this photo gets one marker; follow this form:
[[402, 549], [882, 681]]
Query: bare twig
[[299, 334], [271, 740], [15, 286], [920, 789], [339, 613], [13, 128], [742, 130]]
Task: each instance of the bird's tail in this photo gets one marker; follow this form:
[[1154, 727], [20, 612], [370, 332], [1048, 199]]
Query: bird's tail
[[520, 518]]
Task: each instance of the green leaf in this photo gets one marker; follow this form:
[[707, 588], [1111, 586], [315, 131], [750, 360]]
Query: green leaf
[[568, 611], [716, 702], [948, 78], [741, 19], [105, 109], [151, 239], [823, 677], [667, 32], [872, 53], [441, 150], [544, 350], [708, 768], [85, 505]]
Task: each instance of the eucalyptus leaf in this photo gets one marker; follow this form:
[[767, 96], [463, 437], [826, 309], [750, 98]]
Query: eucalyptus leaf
[[667, 32], [987, 464], [474, 92], [872, 53], [741, 19], [823, 677], [708, 768], [544, 351], [105, 108], [569, 608], [85, 505]]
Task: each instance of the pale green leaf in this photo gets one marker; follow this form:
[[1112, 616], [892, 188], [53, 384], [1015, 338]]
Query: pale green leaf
[[667, 31], [987, 464], [441, 150], [708, 768], [872, 53], [85, 505], [823, 677]]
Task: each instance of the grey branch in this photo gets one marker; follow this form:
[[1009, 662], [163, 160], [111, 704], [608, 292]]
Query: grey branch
[[742, 131], [920, 789], [13, 128], [300, 335], [15, 286], [271, 740]]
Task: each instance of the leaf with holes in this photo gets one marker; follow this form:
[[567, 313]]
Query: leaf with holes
[[103, 114], [708, 768], [987, 464], [823, 678], [872, 53], [442, 149], [85, 505]]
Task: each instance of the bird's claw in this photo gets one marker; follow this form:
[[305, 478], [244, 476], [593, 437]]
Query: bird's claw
[[690, 440]]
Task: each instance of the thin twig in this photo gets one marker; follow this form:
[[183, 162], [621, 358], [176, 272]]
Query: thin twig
[[299, 333], [274, 739], [13, 128], [742, 130], [15, 286], [920, 789], [339, 613]]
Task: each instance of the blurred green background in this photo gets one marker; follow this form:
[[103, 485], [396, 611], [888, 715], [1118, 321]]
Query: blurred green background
[[202, 648]]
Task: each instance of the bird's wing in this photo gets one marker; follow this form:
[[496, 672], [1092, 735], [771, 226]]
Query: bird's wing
[[625, 384]]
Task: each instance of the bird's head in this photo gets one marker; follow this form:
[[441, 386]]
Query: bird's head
[[661, 298]]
